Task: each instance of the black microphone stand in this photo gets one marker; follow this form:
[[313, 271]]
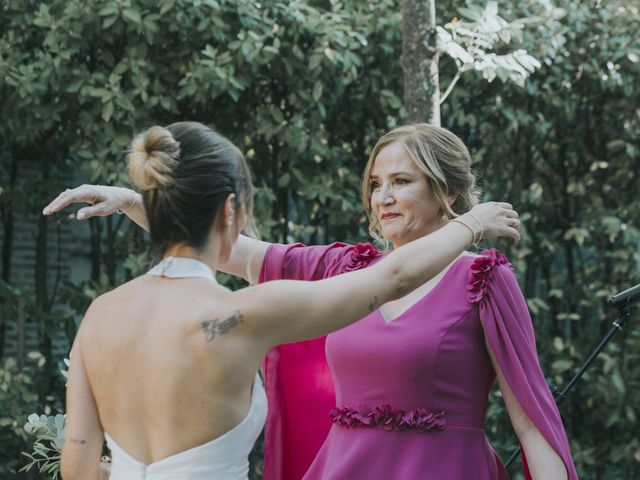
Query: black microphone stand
[[623, 301]]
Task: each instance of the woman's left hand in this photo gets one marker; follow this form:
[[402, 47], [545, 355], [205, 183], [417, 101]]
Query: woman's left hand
[[491, 220], [104, 200]]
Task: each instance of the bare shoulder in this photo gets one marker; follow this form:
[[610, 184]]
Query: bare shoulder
[[217, 316], [107, 300], [96, 309]]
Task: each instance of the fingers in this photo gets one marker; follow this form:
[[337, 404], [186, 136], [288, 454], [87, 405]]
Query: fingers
[[513, 222], [98, 210], [513, 233], [503, 231], [512, 217], [504, 205], [56, 205], [502, 222], [82, 193], [511, 228]]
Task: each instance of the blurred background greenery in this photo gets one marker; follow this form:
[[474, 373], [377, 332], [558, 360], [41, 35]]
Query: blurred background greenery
[[305, 88]]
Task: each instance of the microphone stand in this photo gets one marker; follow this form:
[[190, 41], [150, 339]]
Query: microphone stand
[[623, 301]]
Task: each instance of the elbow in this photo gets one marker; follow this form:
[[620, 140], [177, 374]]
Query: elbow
[[523, 427], [401, 282], [525, 434]]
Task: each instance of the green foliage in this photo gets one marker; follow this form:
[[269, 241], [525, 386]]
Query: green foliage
[[17, 400], [469, 42], [49, 432], [305, 88], [287, 81]]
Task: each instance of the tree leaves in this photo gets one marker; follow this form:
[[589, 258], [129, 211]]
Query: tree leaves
[[470, 44]]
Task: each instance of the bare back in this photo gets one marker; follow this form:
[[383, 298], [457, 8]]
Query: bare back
[[170, 364]]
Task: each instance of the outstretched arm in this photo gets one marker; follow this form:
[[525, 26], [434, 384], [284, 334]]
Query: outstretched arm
[[287, 311], [246, 258]]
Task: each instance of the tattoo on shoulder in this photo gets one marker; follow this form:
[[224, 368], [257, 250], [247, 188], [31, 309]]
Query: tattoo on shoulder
[[77, 441], [212, 328], [373, 304]]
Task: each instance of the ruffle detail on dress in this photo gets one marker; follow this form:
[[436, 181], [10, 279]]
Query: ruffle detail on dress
[[386, 418], [362, 255], [481, 272]]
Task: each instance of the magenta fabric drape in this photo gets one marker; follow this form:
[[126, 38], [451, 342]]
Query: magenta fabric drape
[[298, 381], [508, 329]]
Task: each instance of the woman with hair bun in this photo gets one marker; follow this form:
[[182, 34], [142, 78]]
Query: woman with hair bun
[[165, 366]]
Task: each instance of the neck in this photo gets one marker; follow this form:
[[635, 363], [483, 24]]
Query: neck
[[428, 231], [183, 250]]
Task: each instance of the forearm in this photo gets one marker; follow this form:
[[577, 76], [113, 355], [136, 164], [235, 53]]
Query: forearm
[[420, 260], [80, 473], [543, 461], [79, 463]]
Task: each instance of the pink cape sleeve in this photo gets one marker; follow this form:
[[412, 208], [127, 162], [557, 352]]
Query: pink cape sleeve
[[299, 386], [509, 331]]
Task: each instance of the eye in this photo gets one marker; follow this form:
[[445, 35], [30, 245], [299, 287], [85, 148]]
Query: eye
[[401, 181], [373, 185]]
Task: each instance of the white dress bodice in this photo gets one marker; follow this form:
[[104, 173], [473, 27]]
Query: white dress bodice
[[223, 458]]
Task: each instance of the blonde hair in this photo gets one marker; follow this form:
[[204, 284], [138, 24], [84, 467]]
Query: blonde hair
[[152, 157], [441, 156]]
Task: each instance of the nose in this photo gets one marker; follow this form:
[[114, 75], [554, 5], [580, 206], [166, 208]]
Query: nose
[[386, 196]]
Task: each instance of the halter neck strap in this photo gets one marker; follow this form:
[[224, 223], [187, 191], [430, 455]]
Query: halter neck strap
[[182, 267]]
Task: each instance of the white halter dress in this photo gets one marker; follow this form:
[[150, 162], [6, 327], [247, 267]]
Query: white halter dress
[[225, 457]]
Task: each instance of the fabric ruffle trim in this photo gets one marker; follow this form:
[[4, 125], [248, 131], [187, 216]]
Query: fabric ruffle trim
[[481, 272], [386, 418], [362, 255]]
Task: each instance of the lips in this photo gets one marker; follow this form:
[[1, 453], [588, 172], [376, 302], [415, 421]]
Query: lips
[[389, 216]]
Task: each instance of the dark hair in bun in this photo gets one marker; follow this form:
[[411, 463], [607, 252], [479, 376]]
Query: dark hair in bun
[[185, 172]]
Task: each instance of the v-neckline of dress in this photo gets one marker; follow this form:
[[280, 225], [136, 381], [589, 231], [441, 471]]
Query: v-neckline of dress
[[424, 297]]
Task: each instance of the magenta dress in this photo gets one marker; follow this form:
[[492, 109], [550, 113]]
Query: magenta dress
[[410, 394]]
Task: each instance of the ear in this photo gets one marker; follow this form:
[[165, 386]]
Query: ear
[[228, 211]]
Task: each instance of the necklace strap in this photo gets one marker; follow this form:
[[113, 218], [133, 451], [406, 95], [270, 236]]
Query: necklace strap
[[182, 267]]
